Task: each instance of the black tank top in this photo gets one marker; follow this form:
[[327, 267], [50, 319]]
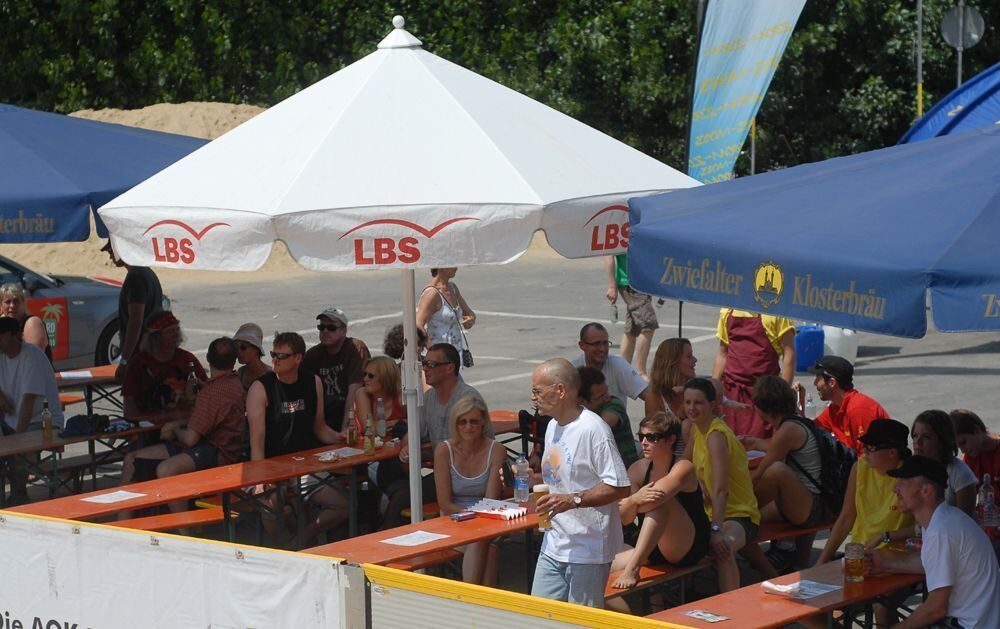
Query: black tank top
[[48, 348], [291, 410], [692, 501]]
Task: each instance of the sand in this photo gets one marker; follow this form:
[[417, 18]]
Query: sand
[[199, 119]]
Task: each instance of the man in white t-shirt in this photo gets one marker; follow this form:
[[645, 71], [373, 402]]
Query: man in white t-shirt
[[957, 558], [586, 479], [623, 381], [26, 381]]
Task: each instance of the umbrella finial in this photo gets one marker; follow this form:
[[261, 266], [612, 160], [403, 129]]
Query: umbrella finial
[[399, 37]]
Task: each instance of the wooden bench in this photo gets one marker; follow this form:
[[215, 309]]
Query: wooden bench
[[74, 468], [67, 399], [783, 530], [173, 521], [650, 576], [431, 510]]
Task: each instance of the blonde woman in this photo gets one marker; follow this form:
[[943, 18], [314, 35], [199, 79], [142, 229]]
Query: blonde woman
[[466, 470], [13, 305], [381, 380]]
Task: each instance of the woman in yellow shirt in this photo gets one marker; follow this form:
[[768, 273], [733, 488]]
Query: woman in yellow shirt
[[870, 506], [720, 463]]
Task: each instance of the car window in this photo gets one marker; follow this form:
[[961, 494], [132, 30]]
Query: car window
[[8, 275]]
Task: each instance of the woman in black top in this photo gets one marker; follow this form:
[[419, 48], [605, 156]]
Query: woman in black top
[[12, 304], [666, 497]]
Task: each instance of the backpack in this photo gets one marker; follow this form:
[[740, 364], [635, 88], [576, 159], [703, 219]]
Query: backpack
[[837, 462]]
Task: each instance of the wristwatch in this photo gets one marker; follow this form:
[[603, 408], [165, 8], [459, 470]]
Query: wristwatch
[[715, 528], [577, 501]]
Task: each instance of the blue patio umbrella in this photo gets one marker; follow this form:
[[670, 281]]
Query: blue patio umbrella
[[54, 169], [973, 105], [855, 242]]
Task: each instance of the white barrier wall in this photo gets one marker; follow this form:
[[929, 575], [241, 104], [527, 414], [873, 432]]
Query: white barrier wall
[[75, 575]]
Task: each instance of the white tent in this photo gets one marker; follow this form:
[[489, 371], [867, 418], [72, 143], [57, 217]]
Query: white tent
[[400, 160]]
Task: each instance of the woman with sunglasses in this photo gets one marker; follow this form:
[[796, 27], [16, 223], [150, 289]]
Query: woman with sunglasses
[[381, 381], [721, 465], [667, 499], [442, 312], [870, 506], [466, 470], [980, 446], [249, 351]]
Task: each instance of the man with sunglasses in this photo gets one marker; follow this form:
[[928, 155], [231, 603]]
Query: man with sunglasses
[[339, 364], [623, 381], [440, 367], [586, 479], [850, 412]]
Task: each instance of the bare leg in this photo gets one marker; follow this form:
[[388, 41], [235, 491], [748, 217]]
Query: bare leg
[[669, 515], [333, 514], [642, 345], [729, 573], [490, 569], [474, 561], [156, 452], [780, 487], [628, 347], [619, 604], [179, 464]]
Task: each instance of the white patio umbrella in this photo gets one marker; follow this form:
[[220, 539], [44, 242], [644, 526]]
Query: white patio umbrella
[[401, 160]]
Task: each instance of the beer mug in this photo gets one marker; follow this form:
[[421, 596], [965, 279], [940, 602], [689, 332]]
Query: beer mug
[[854, 563], [544, 519]]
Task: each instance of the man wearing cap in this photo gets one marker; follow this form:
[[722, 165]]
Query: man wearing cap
[[26, 383], [338, 364], [141, 296], [963, 585], [155, 378], [870, 510], [850, 412]]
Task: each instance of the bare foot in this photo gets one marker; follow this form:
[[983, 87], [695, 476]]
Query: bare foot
[[628, 578]]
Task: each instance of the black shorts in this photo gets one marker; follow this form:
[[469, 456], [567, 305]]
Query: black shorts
[[699, 549], [749, 528], [204, 454]]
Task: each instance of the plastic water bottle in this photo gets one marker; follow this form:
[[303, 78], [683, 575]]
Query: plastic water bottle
[[369, 436], [380, 418], [987, 501], [46, 421], [614, 313], [521, 479], [810, 405]]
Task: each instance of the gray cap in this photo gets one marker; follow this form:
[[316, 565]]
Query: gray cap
[[333, 313]]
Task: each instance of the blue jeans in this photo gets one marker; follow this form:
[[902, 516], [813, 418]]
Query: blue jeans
[[579, 583]]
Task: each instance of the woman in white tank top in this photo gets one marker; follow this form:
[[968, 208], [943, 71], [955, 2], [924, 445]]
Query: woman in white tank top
[[442, 311]]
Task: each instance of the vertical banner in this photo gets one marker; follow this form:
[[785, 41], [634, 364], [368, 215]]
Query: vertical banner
[[741, 45]]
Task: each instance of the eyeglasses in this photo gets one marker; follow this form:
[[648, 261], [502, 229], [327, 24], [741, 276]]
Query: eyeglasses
[[333, 327], [871, 448], [651, 437], [281, 355], [537, 391], [431, 364], [369, 376], [468, 421], [596, 344]]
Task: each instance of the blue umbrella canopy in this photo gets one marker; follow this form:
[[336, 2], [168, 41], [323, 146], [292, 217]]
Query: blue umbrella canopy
[[973, 105], [854, 242], [54, 169]]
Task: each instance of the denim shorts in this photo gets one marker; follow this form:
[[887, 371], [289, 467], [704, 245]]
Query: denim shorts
[[579, 583]]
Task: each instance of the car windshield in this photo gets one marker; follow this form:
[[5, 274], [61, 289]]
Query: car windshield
[[11, 273]]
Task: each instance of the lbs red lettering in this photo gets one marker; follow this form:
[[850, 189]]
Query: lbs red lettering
[[611, 236], [386, 251], [173, 250], [626, 232]]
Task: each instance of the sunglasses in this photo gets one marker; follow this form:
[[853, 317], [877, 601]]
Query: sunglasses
[[329, 328], [537, 391], [369, 376], [870, 448], [597, 343], [468, 421], [280, 355], [431, 364], [651, 437]]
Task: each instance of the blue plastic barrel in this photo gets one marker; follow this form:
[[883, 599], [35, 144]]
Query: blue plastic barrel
[[808, 346]]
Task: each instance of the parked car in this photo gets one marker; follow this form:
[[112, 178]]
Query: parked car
[[80, 313]]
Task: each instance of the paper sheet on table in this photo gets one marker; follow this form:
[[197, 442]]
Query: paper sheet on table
[[706, 616], [145, 423], [416, 538], [340, 453], [800, 589], [116, 496], [71, 375]]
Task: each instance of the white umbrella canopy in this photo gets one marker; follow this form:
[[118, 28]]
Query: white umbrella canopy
[[401, 160]]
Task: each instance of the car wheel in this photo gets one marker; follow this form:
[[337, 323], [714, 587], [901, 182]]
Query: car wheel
[[109, 345]]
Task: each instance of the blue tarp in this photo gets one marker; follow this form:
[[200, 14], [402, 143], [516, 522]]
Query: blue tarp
[[54, 168], [973, 105], [854, 242]]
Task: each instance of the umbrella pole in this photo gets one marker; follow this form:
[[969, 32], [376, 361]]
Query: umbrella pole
[[411, 387], [680, 319]]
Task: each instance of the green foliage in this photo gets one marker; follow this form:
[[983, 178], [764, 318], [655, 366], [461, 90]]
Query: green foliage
[[846, 83]]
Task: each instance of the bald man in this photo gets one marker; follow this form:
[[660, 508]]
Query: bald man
[[586, 479]]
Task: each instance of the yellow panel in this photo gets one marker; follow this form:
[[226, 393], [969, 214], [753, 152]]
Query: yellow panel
[[502, 599]]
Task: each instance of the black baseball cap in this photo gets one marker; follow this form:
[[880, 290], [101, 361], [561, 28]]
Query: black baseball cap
[[839, 368], [886, 433], [918, 465]]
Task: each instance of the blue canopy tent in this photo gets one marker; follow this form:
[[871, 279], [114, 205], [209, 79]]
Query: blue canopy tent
[[854, 242], [973, 105], [54, 169]]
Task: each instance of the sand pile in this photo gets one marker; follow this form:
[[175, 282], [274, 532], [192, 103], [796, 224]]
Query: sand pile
[[198, 119]]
